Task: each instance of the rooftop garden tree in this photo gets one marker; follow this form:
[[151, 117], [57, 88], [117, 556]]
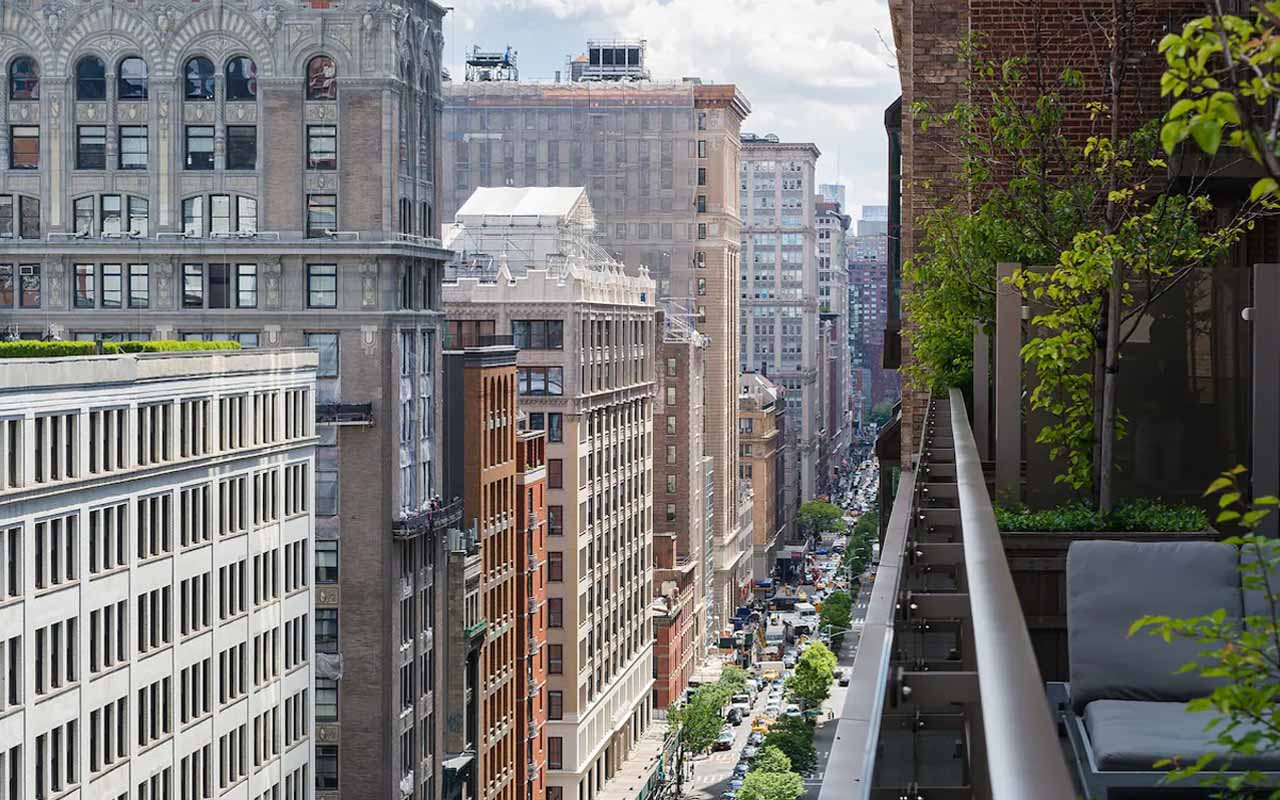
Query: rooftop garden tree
[[1104, 224]]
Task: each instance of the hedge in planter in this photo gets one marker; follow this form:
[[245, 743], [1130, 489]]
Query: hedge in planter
[[36, 349], [1137, 516]]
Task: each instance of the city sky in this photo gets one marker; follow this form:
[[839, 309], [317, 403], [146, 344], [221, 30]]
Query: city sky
[[813, 70]]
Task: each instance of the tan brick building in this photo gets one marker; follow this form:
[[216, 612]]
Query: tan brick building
[[659, 161], [586, 336], [762, 415], [265, 174]]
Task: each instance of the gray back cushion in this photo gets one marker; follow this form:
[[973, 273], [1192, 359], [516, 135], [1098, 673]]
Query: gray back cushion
[[1255, 599], [1111, 584]]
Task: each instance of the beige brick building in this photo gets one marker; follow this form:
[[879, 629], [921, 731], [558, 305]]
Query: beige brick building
[[586, 336], [762, 416], [660, 164], [264, 173]]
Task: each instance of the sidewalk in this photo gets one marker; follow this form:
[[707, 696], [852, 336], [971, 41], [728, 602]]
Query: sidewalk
[[642, 762]]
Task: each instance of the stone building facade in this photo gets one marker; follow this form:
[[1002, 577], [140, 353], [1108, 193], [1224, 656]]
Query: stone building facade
[[156, 520], [586, 335], [265, 173], [659, 161], [779, 290], [531, 621], [762, 415]]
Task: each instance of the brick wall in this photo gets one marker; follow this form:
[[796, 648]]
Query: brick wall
[[360, 160], [281, 206]]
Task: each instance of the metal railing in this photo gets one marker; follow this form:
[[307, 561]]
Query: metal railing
[[344, 413], [945, 699], [429, 520]]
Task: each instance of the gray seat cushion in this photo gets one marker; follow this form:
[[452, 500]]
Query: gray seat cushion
[[1111, 584], [1134, 735]]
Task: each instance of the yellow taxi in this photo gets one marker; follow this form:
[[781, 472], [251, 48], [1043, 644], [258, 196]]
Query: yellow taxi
[[760, 725], [770, 676]]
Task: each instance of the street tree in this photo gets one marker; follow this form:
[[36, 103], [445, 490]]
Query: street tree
[[837, 610], [818, 517], [810, 683], [771, 759], [771, 786], [733, 678], [794, 737]]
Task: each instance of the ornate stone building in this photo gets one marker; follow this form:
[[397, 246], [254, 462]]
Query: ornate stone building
[[264, 171]]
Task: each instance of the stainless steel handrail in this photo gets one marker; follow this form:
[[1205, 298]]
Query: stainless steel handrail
[[1024, 758], [858, 728]]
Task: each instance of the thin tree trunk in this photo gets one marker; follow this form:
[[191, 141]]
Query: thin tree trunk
[[1099, 377], [1107, 434]]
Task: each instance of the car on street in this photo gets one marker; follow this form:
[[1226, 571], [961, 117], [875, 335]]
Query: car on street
[[724, 741], [734, 716], [749, 751], [760, 725], [729, 796], [755, 739], [735, 784], [740, 769], [792, 710], [773, 709], [844, 678]]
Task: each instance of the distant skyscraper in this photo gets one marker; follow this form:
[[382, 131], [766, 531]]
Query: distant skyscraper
[[832, 193], [875, 219]]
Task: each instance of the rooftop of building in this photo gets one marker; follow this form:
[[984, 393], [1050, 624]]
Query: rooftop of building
[[530, 201], [770, 141], [757, 389], [26, 374]]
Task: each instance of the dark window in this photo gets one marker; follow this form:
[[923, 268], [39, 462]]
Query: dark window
[[538, 334], [24, 79], [327, 345], [28, 218], [702, 176], [29, 285], [322, 214], [83, 287], [242, 79], [198, 79], [555, 520], [112, 208], [219, 285], [555, 565], [91, 79], [555, 427], [466, 332], [134, 146], [555, 752], [322, 79], [199, 147], [555, 612], [6, 216], [326, 630], [247, 286], [555, 473], [139, 217], [6, 285], [322, 286], [242, 147], [131, 82], [555, 659], [322, 147], [541, 381], [193, 285], [193, 217], [702, 204], [24, 147], [326, 767], [111, 281], [326, 561], [85, 216], [139, 286], [326, 700], [555, 704]]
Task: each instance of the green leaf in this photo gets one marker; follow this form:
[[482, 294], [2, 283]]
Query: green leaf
[[1217, 486], [1263, 188], [1208, 134], [1171, 134], [1181, 108]]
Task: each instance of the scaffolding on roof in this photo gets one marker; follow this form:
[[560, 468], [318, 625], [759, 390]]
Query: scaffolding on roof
[[492, 66]]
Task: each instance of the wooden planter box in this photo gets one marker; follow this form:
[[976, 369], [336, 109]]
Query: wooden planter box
[[1038, 563]]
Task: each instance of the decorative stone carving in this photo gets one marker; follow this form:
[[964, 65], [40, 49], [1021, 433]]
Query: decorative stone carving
[[242, 112], [320, 112], [369, 284], [273, 333], [53, 22], [134, 112], [163, 272], [91, 112], [162, 112], [163, 22], [197, 112], [53, 273], [271, 272], [319, 181], [327, 596], [164, 332], [369, 340]]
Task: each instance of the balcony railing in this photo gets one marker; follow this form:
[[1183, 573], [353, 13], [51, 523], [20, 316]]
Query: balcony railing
[[429, 520], [344, 413], [945, 699]]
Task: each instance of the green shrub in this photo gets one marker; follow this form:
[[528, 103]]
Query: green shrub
[[36, 349], [1139, 515]]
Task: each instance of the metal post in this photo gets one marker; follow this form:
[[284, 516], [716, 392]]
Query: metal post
[[1008, 373], [1265, 319], [982, 391]]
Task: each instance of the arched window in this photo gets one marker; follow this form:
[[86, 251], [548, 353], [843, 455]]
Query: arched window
[[242, 79], [131, 80], [198, 79], [322, 79], [24, 79], [91, 79]]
